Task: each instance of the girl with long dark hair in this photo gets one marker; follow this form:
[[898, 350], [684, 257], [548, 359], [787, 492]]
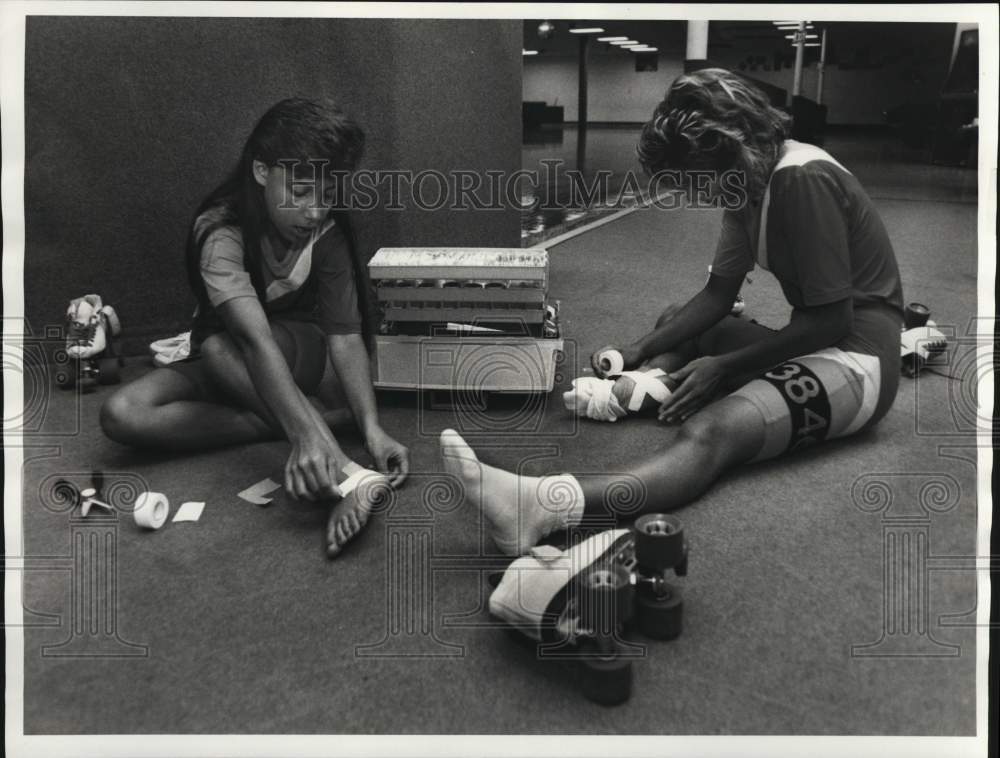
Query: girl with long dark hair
[[279, 285]]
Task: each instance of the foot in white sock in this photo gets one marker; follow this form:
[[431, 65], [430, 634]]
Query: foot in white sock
[[520, 510]]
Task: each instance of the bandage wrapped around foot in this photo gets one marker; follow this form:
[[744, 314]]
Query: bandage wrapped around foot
[[612, 399], [533, 594], [918, 346]]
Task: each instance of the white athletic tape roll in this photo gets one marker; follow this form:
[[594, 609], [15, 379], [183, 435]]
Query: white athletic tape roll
[[151, 510], [611, 363]]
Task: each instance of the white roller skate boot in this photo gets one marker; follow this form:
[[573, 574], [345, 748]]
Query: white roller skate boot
[[89, 327]]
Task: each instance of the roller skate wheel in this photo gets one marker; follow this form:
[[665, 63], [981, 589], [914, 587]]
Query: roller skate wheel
[[659, 541]]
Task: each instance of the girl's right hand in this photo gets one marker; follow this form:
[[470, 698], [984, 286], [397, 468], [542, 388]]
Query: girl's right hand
[[630, 356], [311, 470]]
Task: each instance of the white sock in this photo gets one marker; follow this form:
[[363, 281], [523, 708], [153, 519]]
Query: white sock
[[561, 498]]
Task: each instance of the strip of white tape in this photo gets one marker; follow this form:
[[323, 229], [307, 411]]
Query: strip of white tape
[[258, 492], [355, 475], [646, 383], [189, 511]]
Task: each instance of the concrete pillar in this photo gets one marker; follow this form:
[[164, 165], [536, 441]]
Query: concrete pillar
[[821, 69], [697, 41], [581, 103], [800, 42]]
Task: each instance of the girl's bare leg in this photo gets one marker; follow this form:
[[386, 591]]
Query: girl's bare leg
[[162, 410], [229, 371]]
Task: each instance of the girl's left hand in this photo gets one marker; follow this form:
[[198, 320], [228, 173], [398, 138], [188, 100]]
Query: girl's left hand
[[391, 457], [698, 381]]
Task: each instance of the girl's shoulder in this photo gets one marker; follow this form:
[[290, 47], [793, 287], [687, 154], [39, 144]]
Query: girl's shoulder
[[220, 237], [215, 224]]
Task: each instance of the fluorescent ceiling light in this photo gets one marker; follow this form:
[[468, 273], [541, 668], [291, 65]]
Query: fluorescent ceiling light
[[644, 49], [808, 36], [811, 44], [612, 39], [529, 52], [626, 42], [587, 30]]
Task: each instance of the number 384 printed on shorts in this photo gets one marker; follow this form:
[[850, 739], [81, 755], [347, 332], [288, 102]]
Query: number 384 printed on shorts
[[807, 401]]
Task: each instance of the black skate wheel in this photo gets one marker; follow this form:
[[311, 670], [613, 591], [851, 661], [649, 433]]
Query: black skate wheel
[[605, 601], [659, 617], [108, 371], [605, 679], [916, 314], [659, 541]]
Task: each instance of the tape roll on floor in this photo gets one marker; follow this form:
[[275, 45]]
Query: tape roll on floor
[[151, 510]]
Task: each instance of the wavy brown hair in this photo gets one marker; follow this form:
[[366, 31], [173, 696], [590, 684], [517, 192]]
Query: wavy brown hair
[[716, 120]]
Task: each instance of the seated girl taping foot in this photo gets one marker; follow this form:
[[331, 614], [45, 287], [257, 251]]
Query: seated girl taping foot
[[280, 287]]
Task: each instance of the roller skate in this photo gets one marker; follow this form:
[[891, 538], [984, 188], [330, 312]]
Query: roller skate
[[921, 342], [739, 305], [578, 604], [91, 328]]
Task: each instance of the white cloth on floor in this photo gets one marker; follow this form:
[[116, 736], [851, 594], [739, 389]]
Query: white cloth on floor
[[171, 349]]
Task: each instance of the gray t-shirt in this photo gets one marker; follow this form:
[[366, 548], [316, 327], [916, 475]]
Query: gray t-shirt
[[312, 280], [823, 239]]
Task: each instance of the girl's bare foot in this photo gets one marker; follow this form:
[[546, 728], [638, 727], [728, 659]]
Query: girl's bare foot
[[349, 515]]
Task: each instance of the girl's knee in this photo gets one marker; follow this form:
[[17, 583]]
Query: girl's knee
[[120, 417], [217, 349], [705, 430], [220, 355]]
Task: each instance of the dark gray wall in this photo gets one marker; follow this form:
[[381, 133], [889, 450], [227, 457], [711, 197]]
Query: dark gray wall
[[130, 122]]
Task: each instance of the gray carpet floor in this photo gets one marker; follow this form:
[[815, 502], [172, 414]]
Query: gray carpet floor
[[246, 627]]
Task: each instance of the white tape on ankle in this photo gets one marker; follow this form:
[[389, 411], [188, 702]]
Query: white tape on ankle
[[355, 475], [646, 383]]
